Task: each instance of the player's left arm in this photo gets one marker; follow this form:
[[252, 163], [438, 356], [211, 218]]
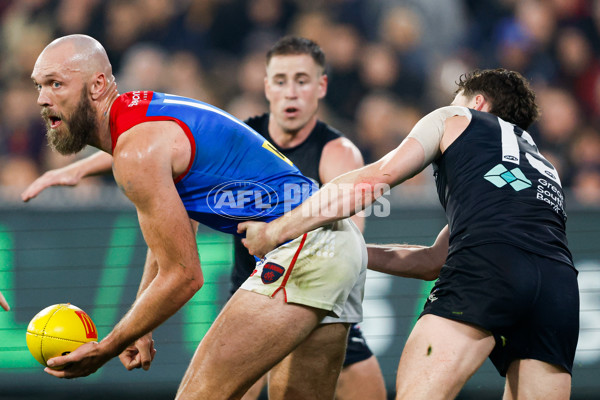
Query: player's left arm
[[143, 169], [70, 175], [142, 352], [4, 303], [410, 261], [338, 157]]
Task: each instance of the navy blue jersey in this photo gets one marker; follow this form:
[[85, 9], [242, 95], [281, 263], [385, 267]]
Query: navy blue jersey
[[307, 155], [234, 174], [496, 187]]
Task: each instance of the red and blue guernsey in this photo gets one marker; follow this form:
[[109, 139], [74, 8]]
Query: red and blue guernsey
[[234, 174]]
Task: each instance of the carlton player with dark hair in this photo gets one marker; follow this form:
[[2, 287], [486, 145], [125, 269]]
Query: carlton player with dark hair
[[508, 289]]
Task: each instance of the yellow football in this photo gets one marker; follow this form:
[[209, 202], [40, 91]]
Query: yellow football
[[58, 330]]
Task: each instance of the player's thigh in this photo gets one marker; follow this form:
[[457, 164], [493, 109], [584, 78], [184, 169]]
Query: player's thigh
[[533, 379], [255, 390], [312, 369], [439, 357], [361, 380], [252, 334]]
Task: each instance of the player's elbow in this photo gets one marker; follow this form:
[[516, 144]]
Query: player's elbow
[[188, 289], [434, 265], [431, 274], [188, 283], [195, 281]]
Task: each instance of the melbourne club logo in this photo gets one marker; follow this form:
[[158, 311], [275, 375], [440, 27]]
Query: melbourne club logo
[[271, 272]]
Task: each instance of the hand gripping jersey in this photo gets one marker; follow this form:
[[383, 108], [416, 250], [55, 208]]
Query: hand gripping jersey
[[496, 187], [234, 174]]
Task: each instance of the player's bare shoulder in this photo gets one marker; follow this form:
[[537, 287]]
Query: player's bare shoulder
[[149, 155], [342, 150], [339, 156]]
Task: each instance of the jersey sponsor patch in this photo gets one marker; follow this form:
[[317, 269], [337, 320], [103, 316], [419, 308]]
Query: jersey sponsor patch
[[271, 272], [501, 176]]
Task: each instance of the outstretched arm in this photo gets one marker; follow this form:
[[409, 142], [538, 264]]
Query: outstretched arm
[[340, 156], [355, 190], [70, 175], [341, 198], [410, 261]]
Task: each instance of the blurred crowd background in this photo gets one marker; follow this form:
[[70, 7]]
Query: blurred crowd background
[[389, 63]]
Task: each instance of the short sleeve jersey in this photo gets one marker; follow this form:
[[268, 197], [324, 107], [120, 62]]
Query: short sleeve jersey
[[234, 174], [496, 187]]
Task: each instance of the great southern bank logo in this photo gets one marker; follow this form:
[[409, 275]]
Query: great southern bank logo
[[242, 200], [500, 176]]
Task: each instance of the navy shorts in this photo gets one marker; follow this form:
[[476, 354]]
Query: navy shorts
[[530, 303], [357, 349]]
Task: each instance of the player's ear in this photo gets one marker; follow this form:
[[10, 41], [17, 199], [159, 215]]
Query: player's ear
[[481, 103], [323, 86], [98, 85], [267, 89]]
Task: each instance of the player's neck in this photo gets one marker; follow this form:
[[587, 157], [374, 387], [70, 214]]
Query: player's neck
[[288, 139], [104, 140]]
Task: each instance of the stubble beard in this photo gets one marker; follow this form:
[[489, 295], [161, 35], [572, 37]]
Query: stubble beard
[[292, 126], [72, 136]]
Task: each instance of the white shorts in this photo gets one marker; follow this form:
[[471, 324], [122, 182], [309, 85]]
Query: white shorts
[[324, 268]]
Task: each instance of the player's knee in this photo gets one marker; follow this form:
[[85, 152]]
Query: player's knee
[[330, 335]]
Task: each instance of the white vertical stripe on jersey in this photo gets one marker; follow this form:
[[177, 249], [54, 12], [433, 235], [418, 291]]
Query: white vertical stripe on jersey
[[510, 144]]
